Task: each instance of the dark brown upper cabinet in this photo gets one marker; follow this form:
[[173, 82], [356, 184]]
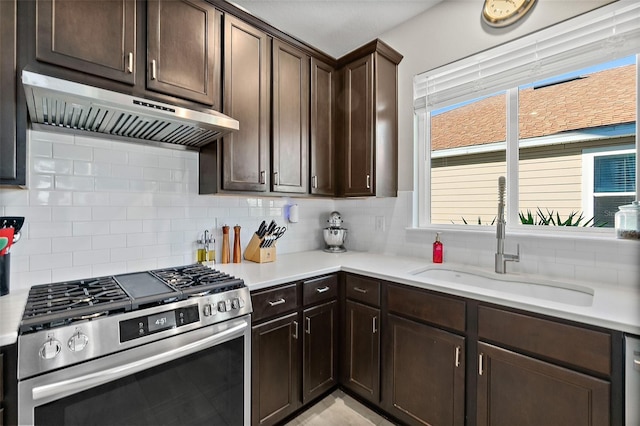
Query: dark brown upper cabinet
[[95, 37], [247, 59], [369, 128], [12, 153], [183, 54], [290, 144], [322, 128]]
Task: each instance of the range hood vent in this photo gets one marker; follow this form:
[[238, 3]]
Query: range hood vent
[[64, 104]]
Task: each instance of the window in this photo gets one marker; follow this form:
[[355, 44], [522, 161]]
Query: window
[[559, 122]]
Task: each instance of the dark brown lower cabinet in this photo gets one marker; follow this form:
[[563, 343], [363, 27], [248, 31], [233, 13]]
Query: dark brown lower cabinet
[[320, 353], [275, 366], [424, 374], [361, 354], [515, 389]]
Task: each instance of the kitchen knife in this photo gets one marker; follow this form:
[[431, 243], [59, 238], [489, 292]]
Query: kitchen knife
[[262, 229]]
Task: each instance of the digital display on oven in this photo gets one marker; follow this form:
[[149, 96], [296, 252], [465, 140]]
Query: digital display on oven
[[161, 321]]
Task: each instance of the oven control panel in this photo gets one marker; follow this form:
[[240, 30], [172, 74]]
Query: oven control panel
[[148, 324]]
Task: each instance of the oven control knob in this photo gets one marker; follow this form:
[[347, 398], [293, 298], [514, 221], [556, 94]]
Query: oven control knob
[[77, 342], [237, 303], [209, 310], [222, 306], [50, 349]]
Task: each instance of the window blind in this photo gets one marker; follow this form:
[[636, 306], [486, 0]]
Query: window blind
[[608, 33]]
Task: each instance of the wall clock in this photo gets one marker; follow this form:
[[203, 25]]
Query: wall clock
[[500, 13]]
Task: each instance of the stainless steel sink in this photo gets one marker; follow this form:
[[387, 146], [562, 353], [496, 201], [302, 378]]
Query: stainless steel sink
[[558, 292]]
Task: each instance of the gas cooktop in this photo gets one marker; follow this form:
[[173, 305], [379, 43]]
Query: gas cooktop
[[59, 304]]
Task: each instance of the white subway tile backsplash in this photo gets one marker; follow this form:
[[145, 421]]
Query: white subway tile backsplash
[[56, 137], [73, 273], [90, 199], [91, 257], [125, 254], [95, 227], [141, 212], [50, 261], [84, 168], [143, 159], [49, 229], [103, 269], [66, 244], [70, 214], [122, 171], [50, 198], [156, 174], [110, 156], [40, 148], [34, 213], [72, 152], [41, 181], [111, 184], [51, 165], [108, 213], [141, 239], [31, 247], [125, 226], [175, 163], [107, 241]]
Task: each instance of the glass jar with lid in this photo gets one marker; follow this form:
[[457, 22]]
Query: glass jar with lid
[[628, 221]]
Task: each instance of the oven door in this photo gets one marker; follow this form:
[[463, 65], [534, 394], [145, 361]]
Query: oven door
[[198, 377]]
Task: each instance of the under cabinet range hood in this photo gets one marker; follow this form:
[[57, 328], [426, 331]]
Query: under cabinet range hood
[[62, 104]]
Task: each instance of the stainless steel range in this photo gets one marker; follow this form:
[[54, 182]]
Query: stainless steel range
[[169, 346]]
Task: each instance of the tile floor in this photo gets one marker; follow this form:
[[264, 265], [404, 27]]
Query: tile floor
[[339, 409]]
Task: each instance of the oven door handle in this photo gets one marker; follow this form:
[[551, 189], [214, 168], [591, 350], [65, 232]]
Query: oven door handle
[[87, 381]]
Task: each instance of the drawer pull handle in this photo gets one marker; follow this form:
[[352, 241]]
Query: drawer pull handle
[[636, 361], [375, 324], [308, 325], [153, 69], [315, 181], [262, 176], [130, 63], [361, 290], [322, 289], [480, 370], [368, 181], [457, 356], [276, 302], [295, 330]]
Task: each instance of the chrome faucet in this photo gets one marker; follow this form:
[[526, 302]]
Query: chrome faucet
[[501, 257]]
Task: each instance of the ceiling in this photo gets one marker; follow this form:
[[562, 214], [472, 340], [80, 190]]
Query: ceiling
[[335, 27]]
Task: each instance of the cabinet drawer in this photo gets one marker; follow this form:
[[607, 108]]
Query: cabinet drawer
[[365, 290], [275, 301], [572, 345], [441, 310], [320, 289]]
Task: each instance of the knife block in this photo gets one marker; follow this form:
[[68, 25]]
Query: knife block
[[254, 253]]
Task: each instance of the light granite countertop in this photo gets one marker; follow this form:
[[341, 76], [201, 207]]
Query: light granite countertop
[[614, 307]]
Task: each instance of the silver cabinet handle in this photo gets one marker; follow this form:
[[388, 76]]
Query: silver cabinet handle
[[295, 330], [636, 361], [322, 289], [480, 371], [457, 358], [314, 179], [368, 181], [277, 302], [308, 325], [360, 290], [130, 63], [153, 69], [375, 324], [276, 181], [262, 176]]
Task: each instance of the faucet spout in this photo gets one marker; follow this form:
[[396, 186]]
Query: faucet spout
[[501, 258]]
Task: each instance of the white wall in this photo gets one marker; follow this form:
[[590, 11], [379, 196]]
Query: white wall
[[96, 207]]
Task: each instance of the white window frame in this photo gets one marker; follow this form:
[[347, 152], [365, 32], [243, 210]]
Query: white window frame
[[588, 161], [608, 33]]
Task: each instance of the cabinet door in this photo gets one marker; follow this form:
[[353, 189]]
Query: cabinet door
[[274, 374], [95, 37], [322, 129], [358, 127], [245, 154], [424, 374], [361, 363], [183, 49], [514, 389], [290, 145], [12, 159], [320, 343]]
